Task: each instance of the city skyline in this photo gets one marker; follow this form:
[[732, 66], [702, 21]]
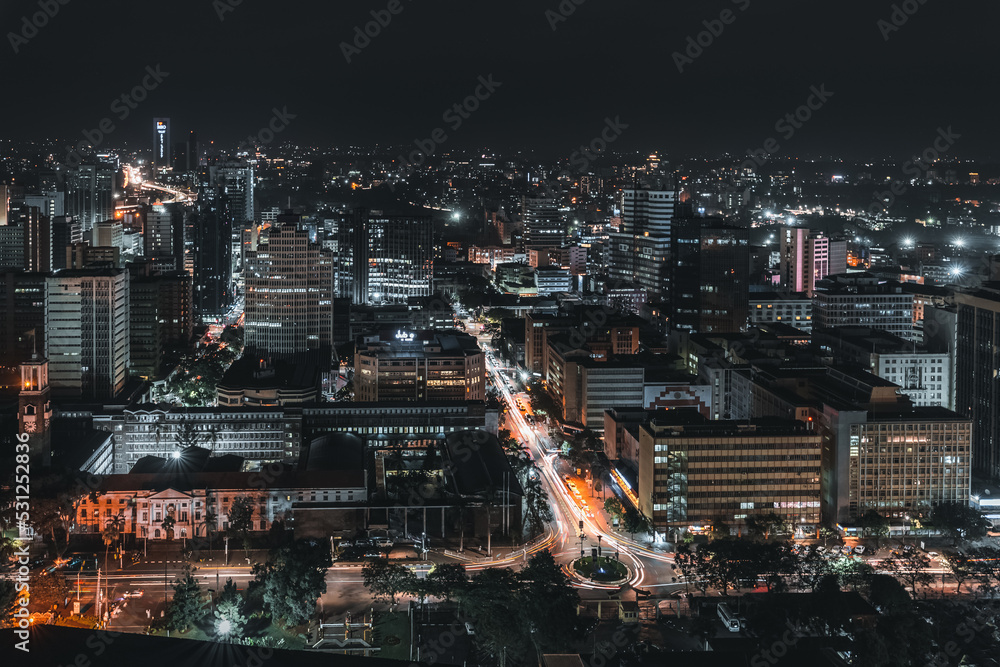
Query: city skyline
[[763, 63], [529, 334]]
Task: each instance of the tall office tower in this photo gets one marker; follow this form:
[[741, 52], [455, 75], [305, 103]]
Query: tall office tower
[[26, 241], [90, 193], [4, 203], [543, 223], [193, 152], [22, 316], [34, 409], [977, 392], [159, 316], [36, 237], [12, 247], [37, 242], [163, 240], [234, 183], [710, 286], [186, 154], [808, 257], [640, 251], [385, 257], [289, 293], [212, 255], [161, 142], [51, 204], [145, 333], [87, 332]]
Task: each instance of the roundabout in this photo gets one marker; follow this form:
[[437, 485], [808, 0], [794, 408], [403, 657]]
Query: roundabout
[[602, 570]]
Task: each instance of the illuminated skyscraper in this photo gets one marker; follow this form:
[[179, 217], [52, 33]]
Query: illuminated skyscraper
[[385, 257], [709, 290], [639, 252], [90, 193], [289, 293], [161, 142], [544, 226], [87, 332], [808, 257]]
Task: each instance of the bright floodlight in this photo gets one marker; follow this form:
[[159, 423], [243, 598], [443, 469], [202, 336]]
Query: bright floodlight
[[959, 242], [224, 627], [456, 216], [907, 241], [177, 455], [956, 271]]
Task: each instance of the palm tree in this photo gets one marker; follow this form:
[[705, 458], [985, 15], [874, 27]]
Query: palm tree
[[111, 535], [168, 526], [208, 521]]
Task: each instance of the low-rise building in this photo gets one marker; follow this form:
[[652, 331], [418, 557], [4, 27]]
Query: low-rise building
[[693, 470], [792, 308], [417, 366]]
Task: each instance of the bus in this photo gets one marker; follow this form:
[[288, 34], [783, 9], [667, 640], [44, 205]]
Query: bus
[[728, 618]]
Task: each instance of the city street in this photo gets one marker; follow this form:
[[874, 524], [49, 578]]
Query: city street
[[649, 567]]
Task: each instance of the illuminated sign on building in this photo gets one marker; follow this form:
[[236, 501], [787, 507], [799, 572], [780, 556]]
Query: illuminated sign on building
[[161, 141], [404, 336]]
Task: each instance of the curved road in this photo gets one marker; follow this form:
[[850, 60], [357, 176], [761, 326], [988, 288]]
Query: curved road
[[651, 569]]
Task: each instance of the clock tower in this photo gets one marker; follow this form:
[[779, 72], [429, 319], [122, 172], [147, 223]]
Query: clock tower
[[34, 410]]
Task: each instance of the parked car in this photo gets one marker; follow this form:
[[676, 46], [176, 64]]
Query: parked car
[[821, 549], [860, 549], [384, 543], [134, 593]]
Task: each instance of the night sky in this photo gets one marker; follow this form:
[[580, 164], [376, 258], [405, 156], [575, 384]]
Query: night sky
[[606, 59]]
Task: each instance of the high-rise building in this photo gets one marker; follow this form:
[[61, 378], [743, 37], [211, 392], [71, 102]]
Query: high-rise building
[[22, 316], [51, 204], [4, 203], [385, 257], [26, 242], [87, 332], [543, 223], [231, 185], [90, 193], [289, 293], [108, 234], [12, 247], [709, 288], [808, 257], [160, 316], [639, 252], [186, 154], [212, 252], [37, 241], [977, 392], [161, 142], [65, 232], [164, 236]]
